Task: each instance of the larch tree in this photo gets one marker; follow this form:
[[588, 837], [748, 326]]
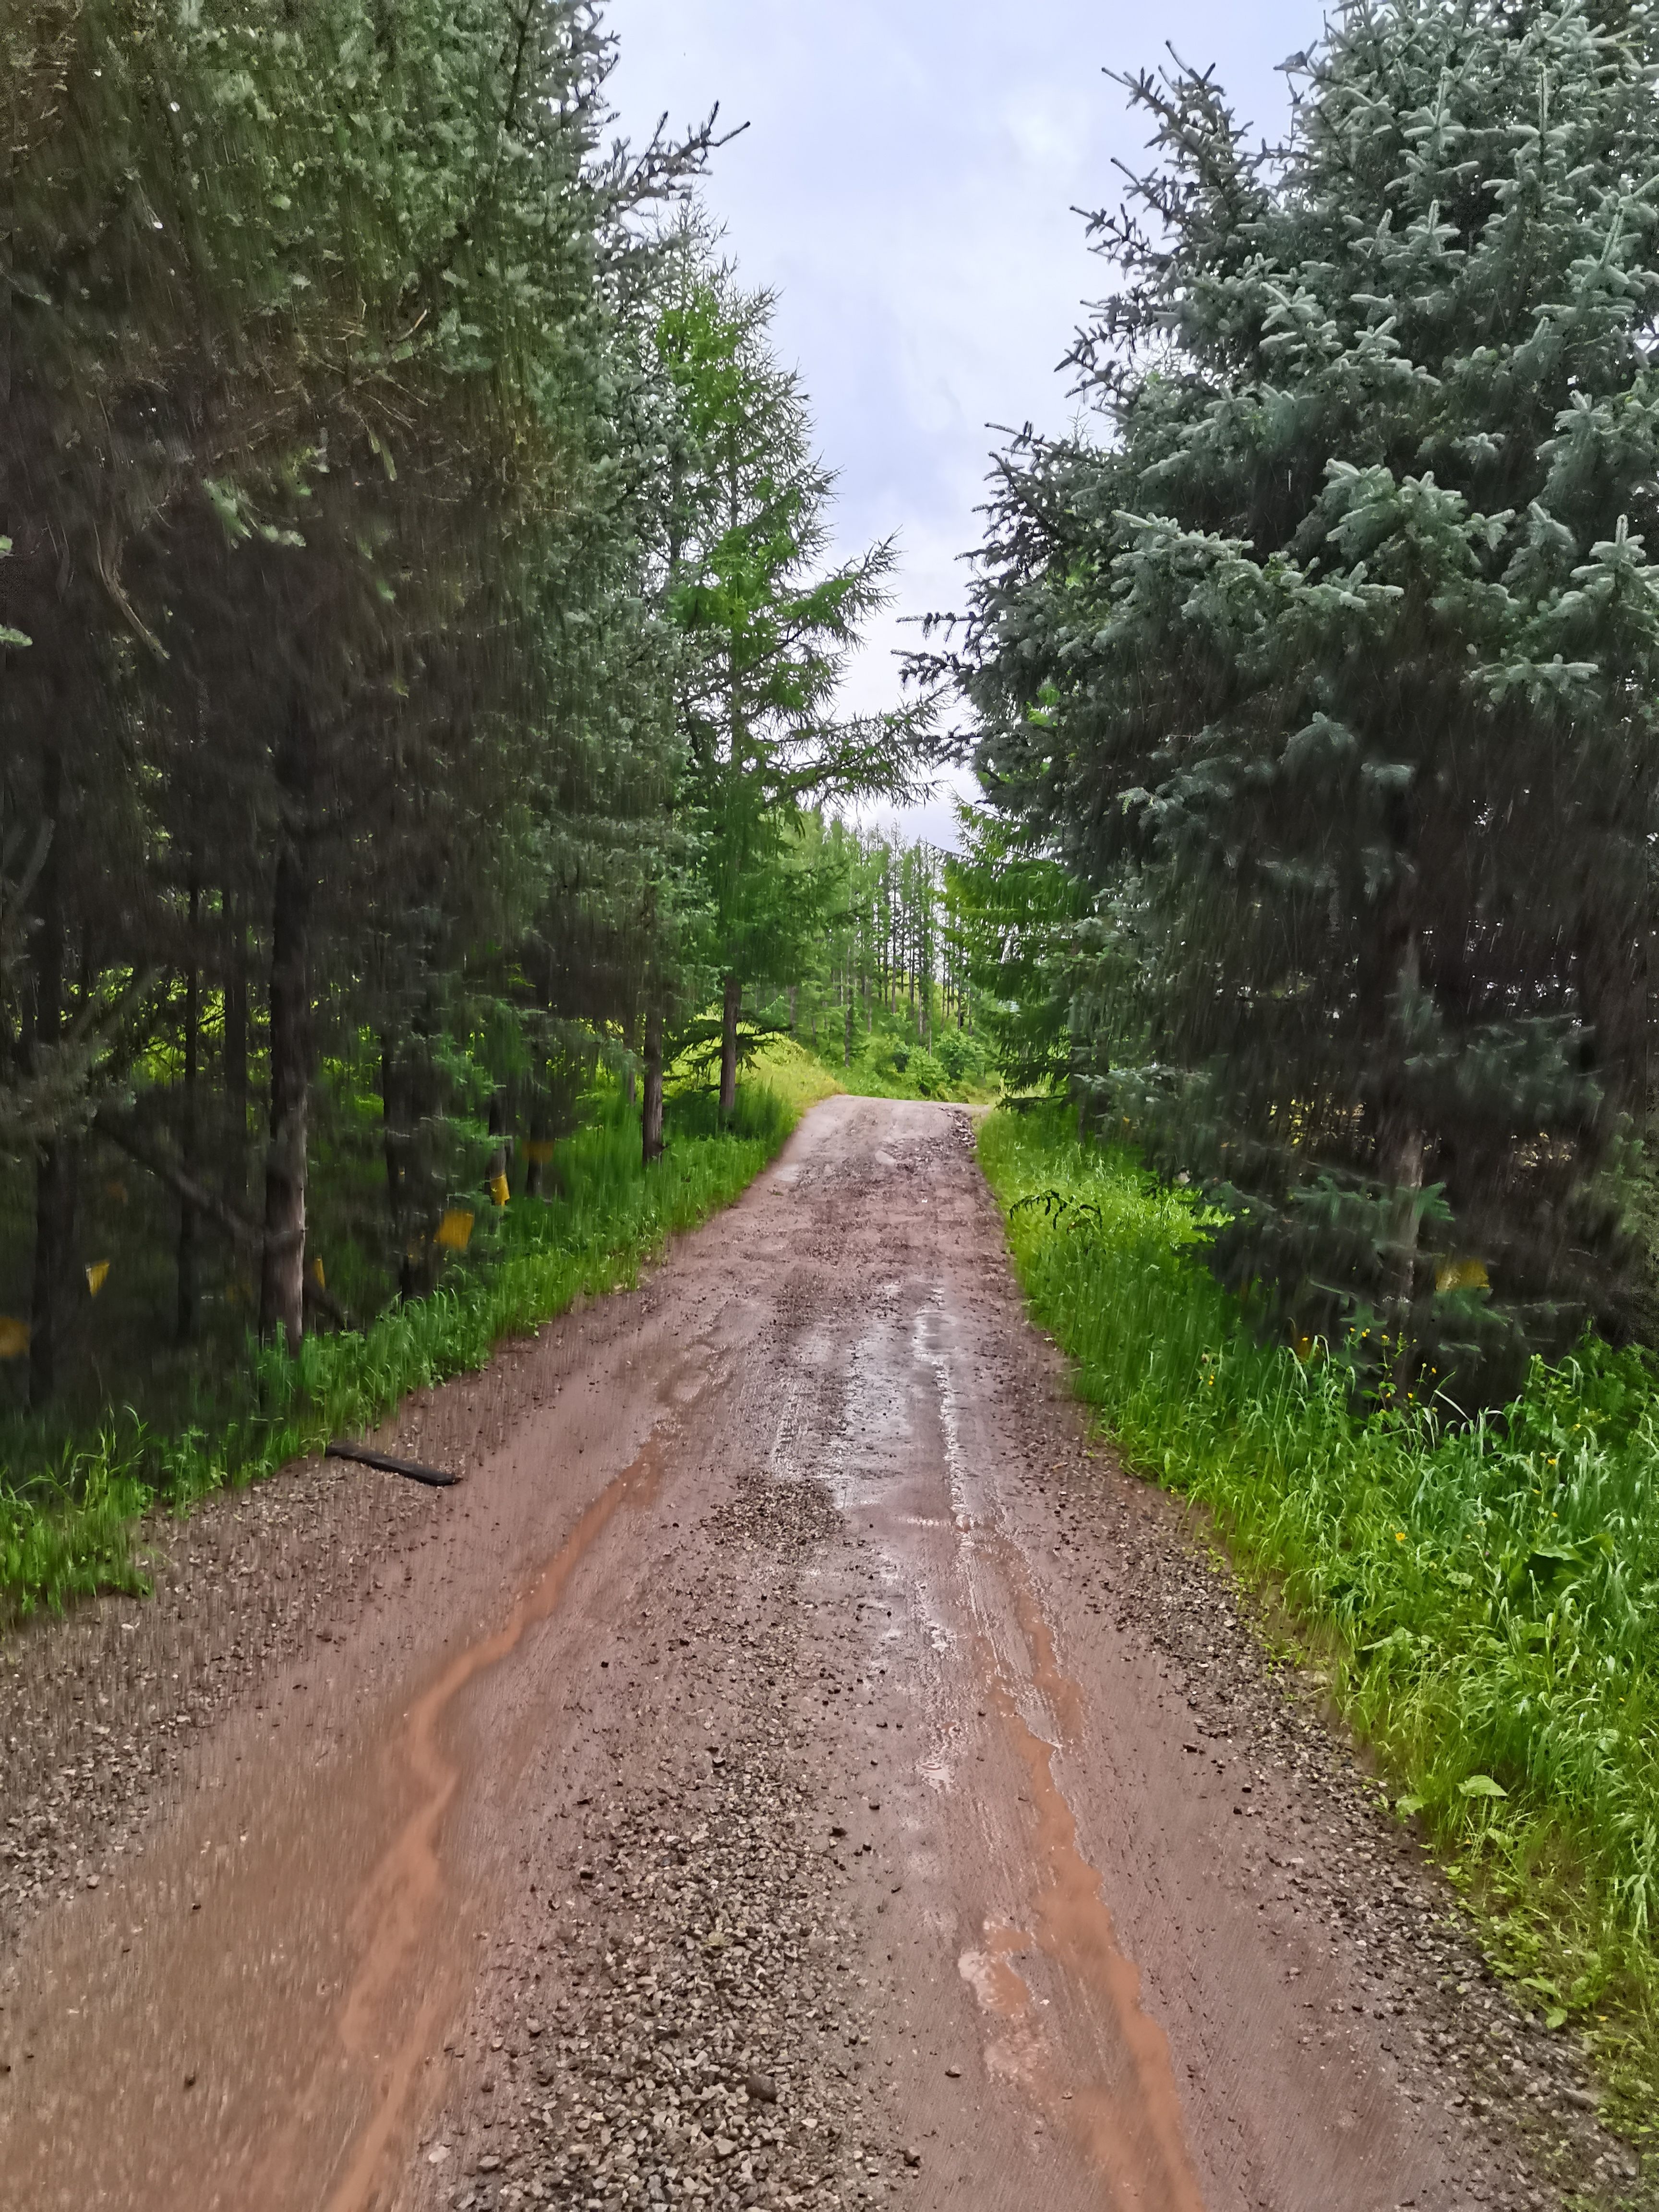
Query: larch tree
[[766, 627]]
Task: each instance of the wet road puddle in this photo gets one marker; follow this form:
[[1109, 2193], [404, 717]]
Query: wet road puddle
[[1061, 2003], [395, 1918]]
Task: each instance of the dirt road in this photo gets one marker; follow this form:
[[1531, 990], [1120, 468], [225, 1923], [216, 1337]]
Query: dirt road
[[791, 1770]]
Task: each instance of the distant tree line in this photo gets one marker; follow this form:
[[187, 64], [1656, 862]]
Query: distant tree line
[[889, 948], [419, 651], [1317, 684]]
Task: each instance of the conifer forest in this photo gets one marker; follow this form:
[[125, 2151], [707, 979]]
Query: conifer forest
[[478, 1003]]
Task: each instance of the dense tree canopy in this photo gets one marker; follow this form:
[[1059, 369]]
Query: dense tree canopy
[[1329, 667], [414, 644]]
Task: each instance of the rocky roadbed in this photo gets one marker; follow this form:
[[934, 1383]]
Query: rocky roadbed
[[99, 1711], [1321, 1843], [738, 1822], [692, 2030]]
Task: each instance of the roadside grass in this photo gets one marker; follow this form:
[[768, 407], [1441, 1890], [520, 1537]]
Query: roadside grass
[[66, 1522], [1484, 1595], [799, 1076]]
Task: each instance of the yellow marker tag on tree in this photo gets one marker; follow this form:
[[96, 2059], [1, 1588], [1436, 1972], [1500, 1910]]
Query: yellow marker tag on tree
[[14, 1338], [317, 1275], [539, 1151], [1461, 1275], [498, 1189], [455, 1230], [97, 1276]]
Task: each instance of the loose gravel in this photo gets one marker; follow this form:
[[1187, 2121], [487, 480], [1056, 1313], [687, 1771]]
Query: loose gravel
[[681, 2002], [1323, 1850], [685, 2025]]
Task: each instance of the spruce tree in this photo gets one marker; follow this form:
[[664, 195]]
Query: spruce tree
[[1333, 660]]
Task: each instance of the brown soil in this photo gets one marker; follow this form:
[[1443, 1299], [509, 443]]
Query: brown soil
[[794, 1769]]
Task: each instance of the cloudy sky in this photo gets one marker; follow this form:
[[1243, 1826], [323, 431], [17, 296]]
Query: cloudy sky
[[905, 186]]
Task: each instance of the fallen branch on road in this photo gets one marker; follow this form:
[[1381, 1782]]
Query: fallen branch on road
[[434, 1477]]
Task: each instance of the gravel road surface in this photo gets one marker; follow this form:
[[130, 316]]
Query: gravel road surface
[[795, 1768]]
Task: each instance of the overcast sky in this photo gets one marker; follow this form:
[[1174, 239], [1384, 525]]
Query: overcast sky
[[905, 186]]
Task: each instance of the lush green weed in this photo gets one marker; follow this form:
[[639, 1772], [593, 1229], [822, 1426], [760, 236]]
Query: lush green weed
[[1488, 1592], [888, 1062], [65, 1526]]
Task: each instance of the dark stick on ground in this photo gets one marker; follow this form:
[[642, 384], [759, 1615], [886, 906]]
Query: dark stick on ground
[[434, 1477]]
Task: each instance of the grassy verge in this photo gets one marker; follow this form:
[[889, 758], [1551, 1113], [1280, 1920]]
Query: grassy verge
[[65, 1529], [880, 1068], [887, 1059], [797, 1075], [1485, 1598]]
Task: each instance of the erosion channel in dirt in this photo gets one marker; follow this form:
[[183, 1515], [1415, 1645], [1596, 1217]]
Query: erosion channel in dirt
[[793, 1769]]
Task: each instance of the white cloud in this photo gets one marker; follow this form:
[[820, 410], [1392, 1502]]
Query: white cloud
[[906, 185]]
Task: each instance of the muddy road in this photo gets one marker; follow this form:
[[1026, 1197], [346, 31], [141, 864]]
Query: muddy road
[[793, 1770]]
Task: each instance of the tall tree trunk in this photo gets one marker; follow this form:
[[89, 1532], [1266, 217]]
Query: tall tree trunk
[[1400, 1148], [497, 1125], [794, 1003], [188, 1126], [1614, 965], [651, 1119], [396, 1136], [282, 1280], [55, 1190], [733, 1002], [236, 1038], [54, 1170], [846, 1025]]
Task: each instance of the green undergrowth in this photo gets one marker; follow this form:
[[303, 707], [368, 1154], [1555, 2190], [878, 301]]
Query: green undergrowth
[[66, 1522], [1484, 1593], [889, 1063]]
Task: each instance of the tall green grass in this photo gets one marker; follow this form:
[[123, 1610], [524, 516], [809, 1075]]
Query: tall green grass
[[1486, 1593], [65, 1528]]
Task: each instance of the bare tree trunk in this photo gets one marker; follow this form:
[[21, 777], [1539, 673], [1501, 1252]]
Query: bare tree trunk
[[1401, 1151], [54, 1171], [651, 1119], [55, 1192], [794, 1000], [188, 1126], [282, 1278], [498, 1156], [729, 1047], [1613, 964], [846, 1028], [236, 1045], [396, 1136]]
